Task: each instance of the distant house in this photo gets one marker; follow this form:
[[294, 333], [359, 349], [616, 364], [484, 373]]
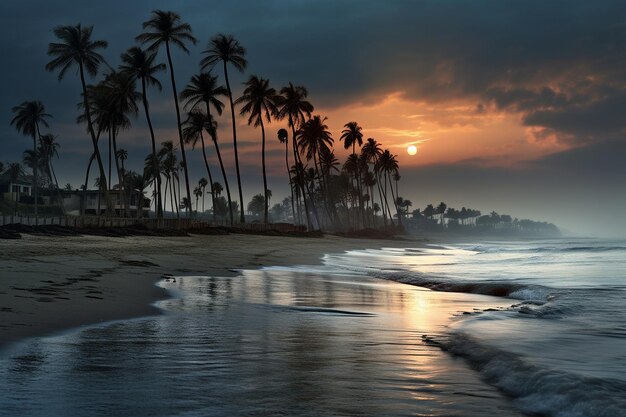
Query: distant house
[[96, 204], [13, 190]]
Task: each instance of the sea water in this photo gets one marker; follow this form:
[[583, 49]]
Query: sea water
[[496, 328]]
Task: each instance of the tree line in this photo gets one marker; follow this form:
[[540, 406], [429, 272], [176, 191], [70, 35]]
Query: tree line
[[324, 192]]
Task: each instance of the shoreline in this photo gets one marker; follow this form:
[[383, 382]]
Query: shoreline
[[54, 284]]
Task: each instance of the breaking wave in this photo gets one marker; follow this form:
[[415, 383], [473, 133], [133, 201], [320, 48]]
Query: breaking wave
[[536, 390]]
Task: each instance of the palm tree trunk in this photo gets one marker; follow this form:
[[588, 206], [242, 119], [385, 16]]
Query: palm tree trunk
[[84, 202], [266, 203], [219, 157], [178, 124], [120, 178], [293, 208], [395, 202], [94, 140], [298, 163], [110, 162], [208, 170], [56, 184], [167, 182], [386, 201], [155, 160], [380, 196], [242, 217], [230, 204], [35, 162]]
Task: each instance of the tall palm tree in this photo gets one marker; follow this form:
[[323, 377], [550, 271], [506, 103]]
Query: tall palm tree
[[121, 96], [259, 101], [352, 136], [283, 137], [204, 89], [141, 65], [167, 157], [78, 49], [28, 116], [193, 128], [372, 151], [314, 138], [166, 28], [227, 50], [49, 150], [387, 165], [294, 107]]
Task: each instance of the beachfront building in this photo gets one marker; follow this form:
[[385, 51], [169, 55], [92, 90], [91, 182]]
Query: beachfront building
[[95, 203], [14, 189]]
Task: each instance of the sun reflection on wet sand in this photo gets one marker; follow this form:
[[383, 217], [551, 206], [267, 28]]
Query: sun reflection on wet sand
[[269, 341]]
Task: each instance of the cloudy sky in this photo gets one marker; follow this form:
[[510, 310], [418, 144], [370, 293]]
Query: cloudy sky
[[518, 107]]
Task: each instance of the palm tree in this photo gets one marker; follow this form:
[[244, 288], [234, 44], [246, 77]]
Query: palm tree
[[202, 183], [165, 28], [259, 101], [78, 49], [28, 116], [49, 148], [118, 89], [196, 123], [387, 164], [441, 209], [218, 188], [140, 65], [313, 138], [167, 157], [296, 109], [372, 151], [283, 137], [227, 50], [203, 88], [197, 192], [352, 135]]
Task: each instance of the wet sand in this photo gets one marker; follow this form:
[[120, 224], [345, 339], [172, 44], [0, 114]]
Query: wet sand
[[49, 284]]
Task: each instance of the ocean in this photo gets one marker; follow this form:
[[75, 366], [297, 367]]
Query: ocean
[[533, 328]]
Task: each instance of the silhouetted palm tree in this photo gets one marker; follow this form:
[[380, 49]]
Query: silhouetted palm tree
[[283, 137], [202, 183], [78, 49], [166, 28], [372, 151], [204, 89], [294, 107], [387, 164], [28, 116], [352, 136], [121, 98], [140, 65], [193, 128], [227, 50], [259, 101]]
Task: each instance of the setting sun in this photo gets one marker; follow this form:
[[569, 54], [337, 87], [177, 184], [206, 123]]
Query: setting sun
[[411, 150]]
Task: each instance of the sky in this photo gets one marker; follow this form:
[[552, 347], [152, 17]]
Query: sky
[[517, 107]]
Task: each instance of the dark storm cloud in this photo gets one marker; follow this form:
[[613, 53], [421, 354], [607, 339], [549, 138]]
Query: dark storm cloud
[[522, 56]]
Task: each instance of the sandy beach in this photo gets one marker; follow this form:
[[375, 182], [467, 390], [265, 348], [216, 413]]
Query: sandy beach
[[49, 284]]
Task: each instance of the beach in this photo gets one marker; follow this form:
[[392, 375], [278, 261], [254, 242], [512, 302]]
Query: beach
[[49, 284], [260, 325]]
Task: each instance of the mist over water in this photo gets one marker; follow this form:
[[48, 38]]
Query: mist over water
[[532, 328]]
